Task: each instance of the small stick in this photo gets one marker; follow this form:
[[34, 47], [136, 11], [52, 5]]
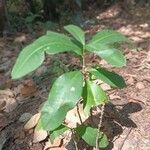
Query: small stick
[[99, 126], [79, 114], [75, 143], [91, 114], [122, 144]]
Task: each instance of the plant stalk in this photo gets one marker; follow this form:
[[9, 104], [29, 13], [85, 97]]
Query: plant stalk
[[99, 126], [74, 140], [78, 111]]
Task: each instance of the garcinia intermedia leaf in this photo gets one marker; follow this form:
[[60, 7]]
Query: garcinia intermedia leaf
[[57, 132], [32, 56], [111, 78], [65, 93], [89, 134], [108, 37], [61, 43], [111, 55], [93, 95], [76, 32]]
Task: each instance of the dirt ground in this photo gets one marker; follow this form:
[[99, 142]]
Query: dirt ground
[[127, 117]]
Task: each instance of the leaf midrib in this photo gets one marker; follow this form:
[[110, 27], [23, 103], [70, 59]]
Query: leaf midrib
[[98, 40], [36, 52]]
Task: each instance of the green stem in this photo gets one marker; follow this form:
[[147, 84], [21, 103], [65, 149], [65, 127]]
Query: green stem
[[83, 59], [78, 111], [99, 126]]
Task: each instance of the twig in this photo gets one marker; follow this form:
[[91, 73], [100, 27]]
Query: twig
[[75, 143], [99, 126], [79, 114], [91, 114], [121, 146]]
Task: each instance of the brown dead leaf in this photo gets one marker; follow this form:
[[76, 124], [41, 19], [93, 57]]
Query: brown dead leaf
[[105, 87], [32, 122], [57, 145], [72, 117], [28, 88], [57, 148], [7, 99], [5, 83], [19, 133], [39, 135], [113, 96], [11, 104], [130, 80], [7, 92], [20, 39], [140, 85]]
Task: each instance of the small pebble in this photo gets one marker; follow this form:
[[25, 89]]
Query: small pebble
[[25, 117]]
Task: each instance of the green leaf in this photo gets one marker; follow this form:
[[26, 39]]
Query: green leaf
[[108, 37], [57, 132], [108, 77], [61, 43], [93, 95], [76, 32], [32, 56], [89, 134], [65, 93], [112, 55]]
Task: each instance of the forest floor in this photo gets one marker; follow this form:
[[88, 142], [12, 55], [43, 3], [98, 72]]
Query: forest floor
[[127, 118]]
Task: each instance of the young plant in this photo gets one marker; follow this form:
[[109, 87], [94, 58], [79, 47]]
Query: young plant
[[74, 86]]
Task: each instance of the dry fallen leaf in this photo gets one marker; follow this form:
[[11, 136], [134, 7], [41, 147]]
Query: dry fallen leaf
[[55, 145], [20, 39], [7, 92], [72, 117], [19, 133], [7, 99], [11, 104], [28, 88], [105, 87], [140, 85], [32, 122], [130, 81], [113, 96], [39, 135]]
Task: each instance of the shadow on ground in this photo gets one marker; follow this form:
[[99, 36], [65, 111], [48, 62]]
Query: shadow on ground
[[114, 120]]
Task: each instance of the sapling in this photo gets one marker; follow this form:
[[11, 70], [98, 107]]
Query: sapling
[[75, 86]]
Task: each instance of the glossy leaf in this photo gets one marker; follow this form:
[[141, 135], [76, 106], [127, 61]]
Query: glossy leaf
[[57, 132], [64, 95], [30, 58], [108, 37], [89, 134], [76, 32], [108, 77], [112, 55], [62, 43], [93, 95]]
